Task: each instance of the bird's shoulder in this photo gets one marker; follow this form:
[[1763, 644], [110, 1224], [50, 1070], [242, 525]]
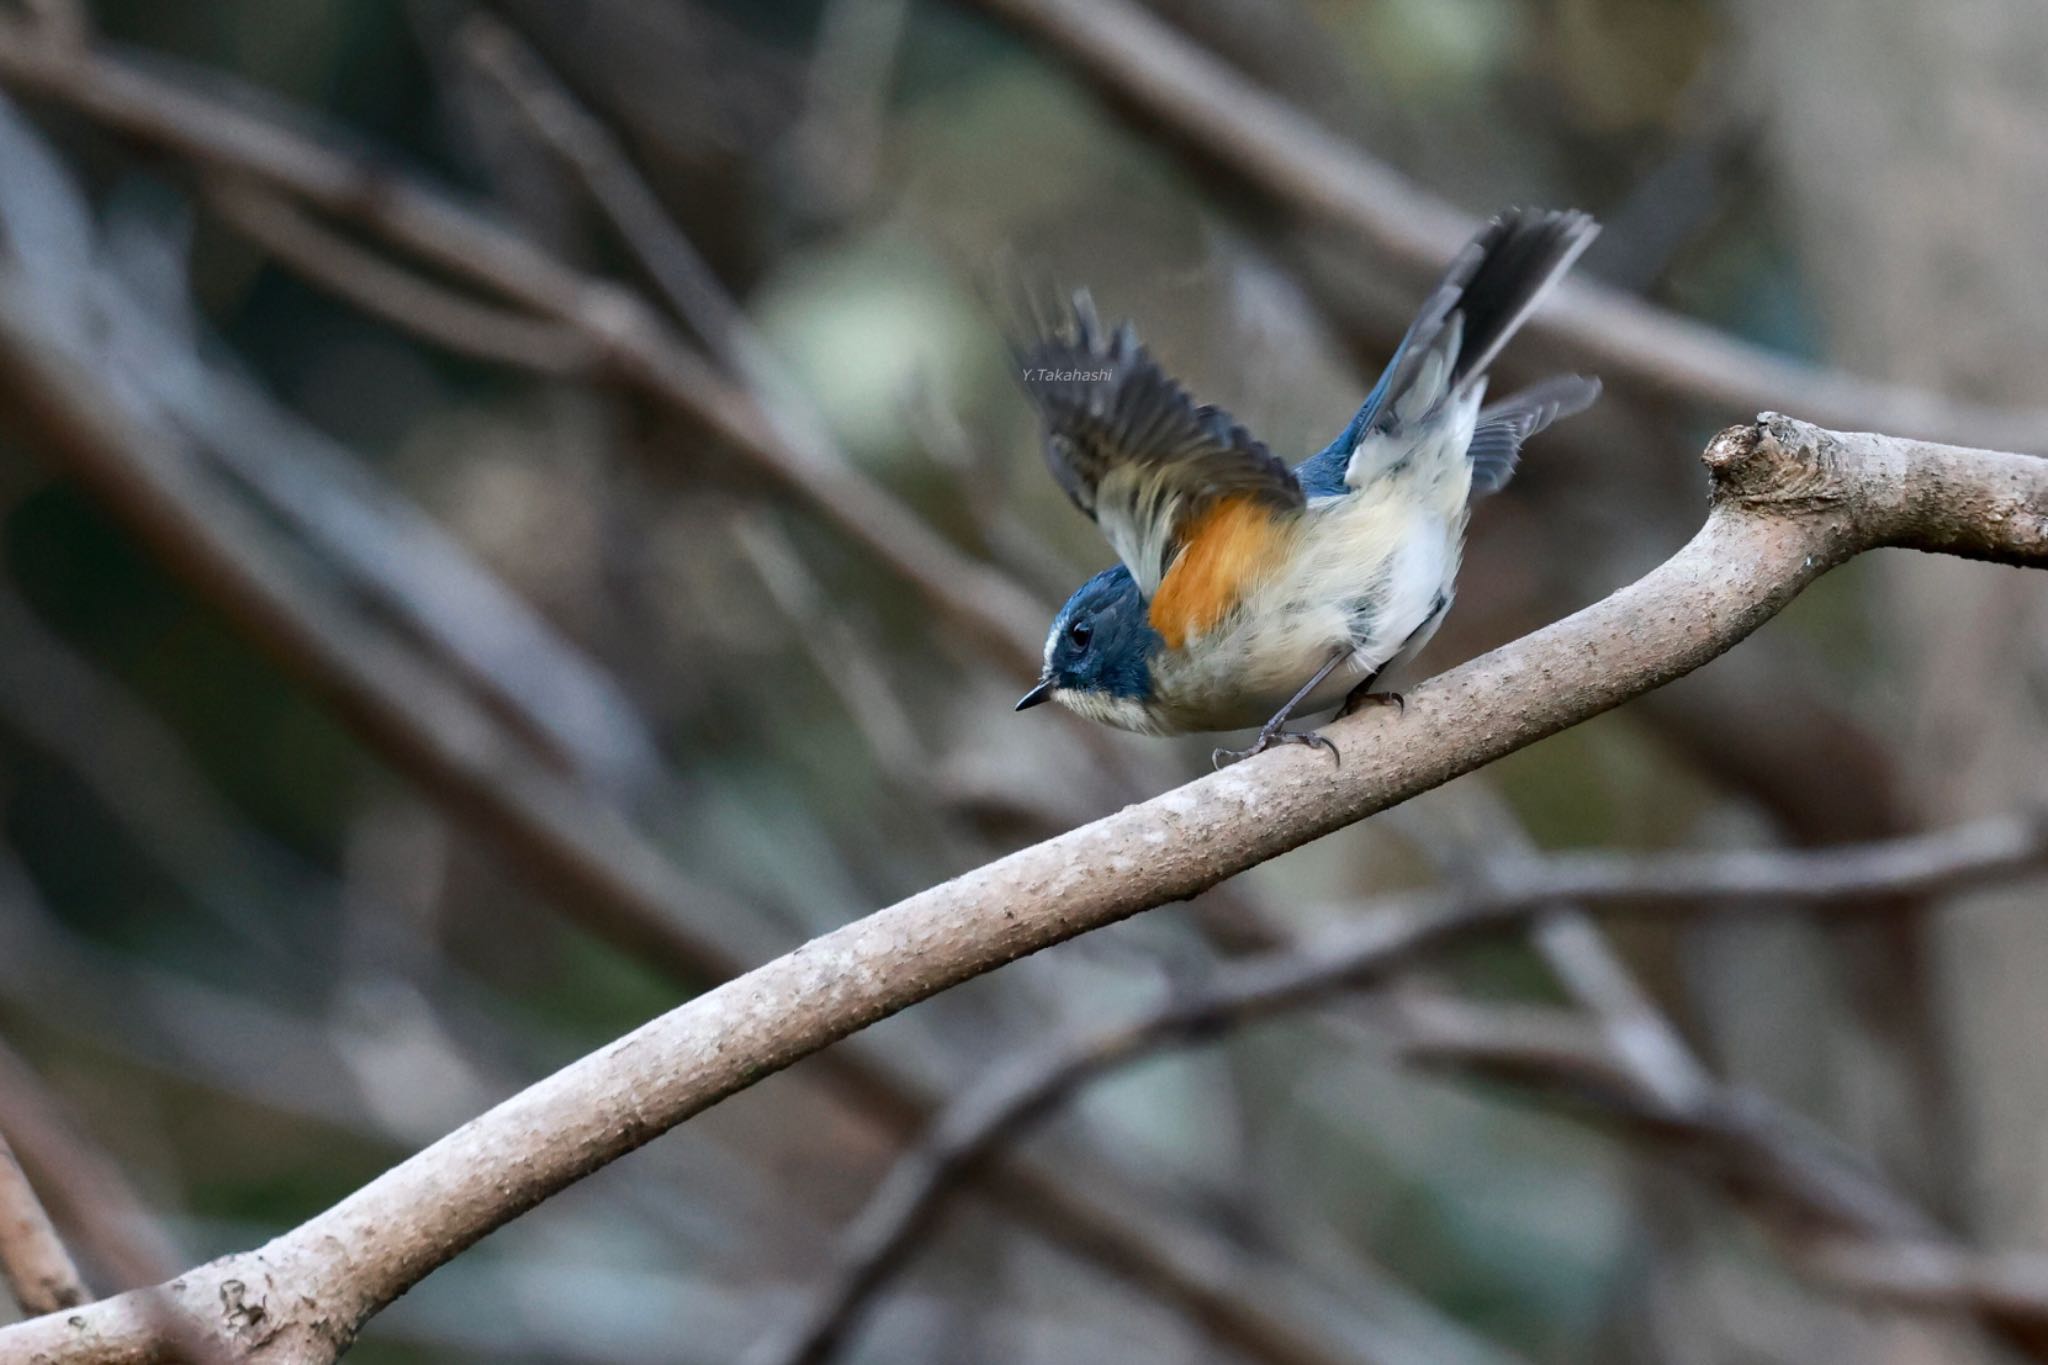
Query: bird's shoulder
[[1225, 551]]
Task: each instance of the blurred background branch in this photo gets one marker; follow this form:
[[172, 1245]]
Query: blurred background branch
[[1142, 65], [38, 1270], [1756, 1151]]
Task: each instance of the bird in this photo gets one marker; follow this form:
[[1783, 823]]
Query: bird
[[1245, 591]]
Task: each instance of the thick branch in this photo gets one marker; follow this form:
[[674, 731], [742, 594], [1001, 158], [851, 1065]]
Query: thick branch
[[995, 1113], [1790, 502], [617, 884]]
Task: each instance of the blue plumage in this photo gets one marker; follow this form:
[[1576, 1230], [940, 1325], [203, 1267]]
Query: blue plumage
[[1100, 639]]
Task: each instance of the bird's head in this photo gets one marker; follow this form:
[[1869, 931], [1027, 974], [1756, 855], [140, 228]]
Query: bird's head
[[1097, 656]]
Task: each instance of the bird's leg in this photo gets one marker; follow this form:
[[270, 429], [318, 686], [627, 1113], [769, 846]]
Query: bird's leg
[[1271, 732], [1362, 696]]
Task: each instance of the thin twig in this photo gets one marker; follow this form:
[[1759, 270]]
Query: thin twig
[[110, 1222], [1592, 973], [573, 134], [1835, 880], [850, 666], [836, 143], [1931, 1276], [34, 1263]]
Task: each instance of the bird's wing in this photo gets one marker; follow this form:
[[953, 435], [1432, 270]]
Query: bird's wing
[[1133, 450]]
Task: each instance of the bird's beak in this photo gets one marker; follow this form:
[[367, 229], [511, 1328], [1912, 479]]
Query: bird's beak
[[1042, 692]]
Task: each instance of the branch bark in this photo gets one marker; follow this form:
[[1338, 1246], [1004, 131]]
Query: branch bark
[[997, 1112], [1789, 502], [33, 1260]]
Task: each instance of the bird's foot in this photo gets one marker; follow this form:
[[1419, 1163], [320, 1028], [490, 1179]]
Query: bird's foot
[[1360, 698], [1273, 735]]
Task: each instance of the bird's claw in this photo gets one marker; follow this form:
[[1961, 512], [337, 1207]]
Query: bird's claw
[[1273, 735], [1361, 699]]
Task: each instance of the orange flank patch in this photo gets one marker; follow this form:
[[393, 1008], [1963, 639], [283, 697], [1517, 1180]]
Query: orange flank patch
[[1221, 554]]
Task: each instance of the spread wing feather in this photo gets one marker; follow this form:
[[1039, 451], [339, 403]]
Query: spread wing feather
[[1132, 448]]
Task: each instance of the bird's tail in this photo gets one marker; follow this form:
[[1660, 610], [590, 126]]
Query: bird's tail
[[1498, 435], [1483, 299], [1508, 269]]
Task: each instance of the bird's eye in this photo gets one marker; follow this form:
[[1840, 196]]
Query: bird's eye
[[1079, 633]]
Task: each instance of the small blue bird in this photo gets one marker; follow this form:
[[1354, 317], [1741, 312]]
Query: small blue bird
[[1248, 591]]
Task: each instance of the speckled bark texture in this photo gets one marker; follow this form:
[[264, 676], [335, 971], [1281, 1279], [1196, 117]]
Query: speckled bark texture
[[1790, 501]]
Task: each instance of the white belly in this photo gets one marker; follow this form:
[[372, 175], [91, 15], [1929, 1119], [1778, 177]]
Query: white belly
[[1369, 578]]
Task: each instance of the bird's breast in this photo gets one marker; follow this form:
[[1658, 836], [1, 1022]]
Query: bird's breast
[[1353, 575]]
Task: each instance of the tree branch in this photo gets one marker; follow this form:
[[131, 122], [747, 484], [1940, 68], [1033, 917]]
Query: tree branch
[[615, 881], [995, 1113], [1789, 502], [109, 1221], [504, 336], [574, 135], [617, 884], [33, 1261], [1592, 973]]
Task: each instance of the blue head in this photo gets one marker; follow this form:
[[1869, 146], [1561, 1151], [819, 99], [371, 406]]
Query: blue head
[[1097, 655]]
